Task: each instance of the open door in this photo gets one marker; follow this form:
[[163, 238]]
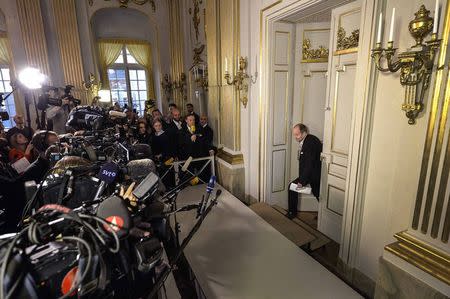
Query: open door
[[281, 71], [345, 24]]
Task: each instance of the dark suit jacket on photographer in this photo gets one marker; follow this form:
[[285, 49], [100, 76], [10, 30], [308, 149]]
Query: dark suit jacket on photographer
[[310, 164]]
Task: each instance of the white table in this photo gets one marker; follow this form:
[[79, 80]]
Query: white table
[[236, 254]]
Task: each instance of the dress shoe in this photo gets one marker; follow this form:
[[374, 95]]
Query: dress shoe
[[290, 215]]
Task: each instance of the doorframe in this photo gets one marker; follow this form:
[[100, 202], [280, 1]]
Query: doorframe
[[362, 116]]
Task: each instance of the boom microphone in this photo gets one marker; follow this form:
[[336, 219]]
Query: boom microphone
[[119, 114]]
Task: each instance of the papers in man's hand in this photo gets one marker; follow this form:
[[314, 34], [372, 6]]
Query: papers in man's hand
[[21, 165], [303, 190]]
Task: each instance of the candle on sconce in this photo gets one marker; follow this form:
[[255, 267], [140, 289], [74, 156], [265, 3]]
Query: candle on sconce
[[380, 21], [436, 17], [391, 31], [237, 65], [226, 65]]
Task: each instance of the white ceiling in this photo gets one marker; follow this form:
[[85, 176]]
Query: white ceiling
[[320, 12]]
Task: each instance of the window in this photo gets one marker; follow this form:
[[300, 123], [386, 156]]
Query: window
[[128, 82], [5, 87]]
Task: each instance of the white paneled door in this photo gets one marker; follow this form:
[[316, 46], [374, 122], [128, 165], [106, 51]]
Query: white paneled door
[[281, 69], [338, 115]]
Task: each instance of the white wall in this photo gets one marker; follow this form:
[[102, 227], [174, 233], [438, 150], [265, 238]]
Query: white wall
[[395, 147], [395, 153]]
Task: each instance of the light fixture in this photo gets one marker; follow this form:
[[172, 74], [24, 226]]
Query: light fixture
[[241, 79], [415, 64], [31, 78], [105, 95]]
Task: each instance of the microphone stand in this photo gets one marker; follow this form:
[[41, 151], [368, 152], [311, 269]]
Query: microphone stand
[[172, 195], [159, 283]]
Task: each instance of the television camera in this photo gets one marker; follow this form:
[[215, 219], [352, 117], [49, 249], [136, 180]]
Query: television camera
[[50, 97], [98, 223]]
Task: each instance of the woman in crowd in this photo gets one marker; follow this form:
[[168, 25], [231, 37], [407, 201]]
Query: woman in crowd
[[161, 144], [20, 147], [143, 136]]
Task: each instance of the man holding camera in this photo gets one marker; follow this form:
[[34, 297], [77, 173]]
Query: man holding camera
[[58, 114]]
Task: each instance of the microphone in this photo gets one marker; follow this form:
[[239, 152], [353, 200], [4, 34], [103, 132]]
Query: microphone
[[119, 114], [205, 199], [186, 164], [107, 175], [184, 169], [114, 210], [137, 169]]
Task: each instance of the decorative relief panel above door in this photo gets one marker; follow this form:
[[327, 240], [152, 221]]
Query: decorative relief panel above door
[[347, 35]]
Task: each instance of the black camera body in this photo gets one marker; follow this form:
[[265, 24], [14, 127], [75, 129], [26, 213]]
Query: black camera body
[[45, 100]]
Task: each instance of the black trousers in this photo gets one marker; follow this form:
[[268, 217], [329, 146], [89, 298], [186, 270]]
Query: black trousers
[[292, 199]]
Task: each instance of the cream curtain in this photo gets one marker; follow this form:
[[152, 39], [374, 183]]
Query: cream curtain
[[142, 52], [5, 57], [108, 52]]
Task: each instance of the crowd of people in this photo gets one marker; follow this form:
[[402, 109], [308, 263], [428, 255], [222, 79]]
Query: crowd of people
[[170, 136]]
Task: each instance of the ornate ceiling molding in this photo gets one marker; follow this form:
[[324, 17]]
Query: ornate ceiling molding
[[124, 3]]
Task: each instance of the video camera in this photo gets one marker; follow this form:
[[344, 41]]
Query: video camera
[[46, 100]]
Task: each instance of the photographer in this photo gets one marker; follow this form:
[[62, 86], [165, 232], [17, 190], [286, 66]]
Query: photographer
[[57, 106], [12, 188]]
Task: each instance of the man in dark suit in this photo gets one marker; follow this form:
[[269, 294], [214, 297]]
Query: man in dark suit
[[308, 156], [208, 135], [173, 129], [191, 139], [190, 111]]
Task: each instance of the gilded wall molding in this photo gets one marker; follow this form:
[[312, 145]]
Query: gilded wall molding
[[423, 213], [229, 158], [346, 44], [69, 45], [176, 49], [33, 34], [223, 42], [195, 12], [313, 55], [421, 255], [124, 3], [431, 256]]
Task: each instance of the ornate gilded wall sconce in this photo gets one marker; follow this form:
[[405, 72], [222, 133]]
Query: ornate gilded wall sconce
[[166, 84], [241, 79], [180, 85], [415, 64], [92, 86], [201, 79]]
